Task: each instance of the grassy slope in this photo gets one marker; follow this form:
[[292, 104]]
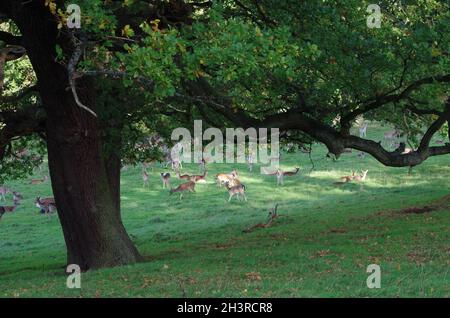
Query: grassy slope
[[320, 246]]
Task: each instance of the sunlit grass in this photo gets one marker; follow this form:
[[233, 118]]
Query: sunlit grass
[[320, 246]]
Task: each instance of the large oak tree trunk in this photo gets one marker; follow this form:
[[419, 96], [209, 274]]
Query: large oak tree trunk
[[85, 179]]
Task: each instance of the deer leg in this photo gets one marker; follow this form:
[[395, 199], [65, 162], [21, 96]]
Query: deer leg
[[229, 199]]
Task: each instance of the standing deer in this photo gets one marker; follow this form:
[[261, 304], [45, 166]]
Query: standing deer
[[222, 178], [165, 177], [145, 179], [183, 188], [202, 166], [3, 192], [363, 130], [238, 190], [250, 161]]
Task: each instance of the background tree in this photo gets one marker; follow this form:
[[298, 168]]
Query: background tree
[[140, 67]]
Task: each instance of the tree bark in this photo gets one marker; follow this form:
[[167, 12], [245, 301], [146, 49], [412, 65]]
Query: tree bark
[[85, 179]]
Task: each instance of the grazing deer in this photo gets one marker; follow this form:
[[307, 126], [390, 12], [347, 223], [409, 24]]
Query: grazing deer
[[47, 205], [238, 190], [363, 130], [221, 178], [3, 192], [182, 188], [165, 177], [17, 197], [145, 178], [39, 181], [281, 174], [348, 178], [361, 177]]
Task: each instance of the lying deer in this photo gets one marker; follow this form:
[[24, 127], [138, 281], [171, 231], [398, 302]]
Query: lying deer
[[348, 178], [238, 190], [184, 176], [361, 177], [165, 177], [47, 205], [183, 188], [198, 178], [281, 174], [39, 181]]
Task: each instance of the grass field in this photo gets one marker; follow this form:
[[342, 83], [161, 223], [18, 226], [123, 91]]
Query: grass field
[[320, 246]]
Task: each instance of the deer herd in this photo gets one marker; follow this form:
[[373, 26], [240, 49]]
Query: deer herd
[[46, 205], [230, 181]]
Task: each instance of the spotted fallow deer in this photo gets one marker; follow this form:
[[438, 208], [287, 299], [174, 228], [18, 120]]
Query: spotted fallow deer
[[183, 188]]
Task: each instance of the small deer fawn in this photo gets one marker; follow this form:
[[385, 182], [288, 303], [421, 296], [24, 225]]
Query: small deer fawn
[[182, 188], [361, 177], [39, 181], [47, 205], [238, 190], [165, 177]]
